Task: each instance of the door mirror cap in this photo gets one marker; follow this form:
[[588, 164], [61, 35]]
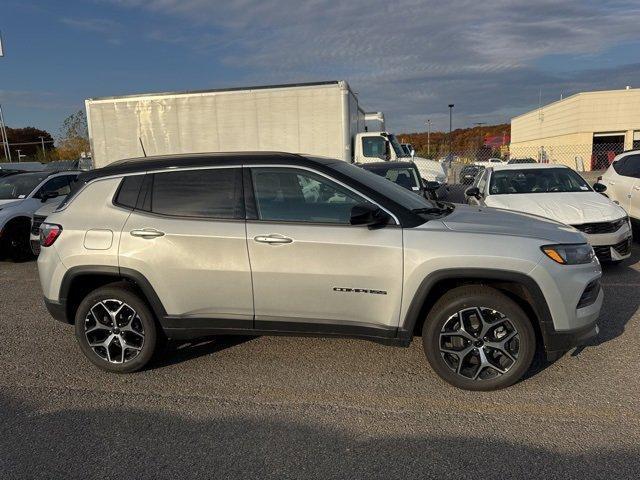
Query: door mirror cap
[[47, 196], [472, 192], [599, 187], [370, 215]]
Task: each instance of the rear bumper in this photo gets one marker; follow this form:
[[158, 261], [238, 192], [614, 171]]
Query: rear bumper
[[57, 310]]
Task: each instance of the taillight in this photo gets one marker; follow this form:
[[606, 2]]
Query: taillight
[[49, 233]]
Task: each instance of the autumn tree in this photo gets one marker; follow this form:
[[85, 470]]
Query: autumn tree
[[74, 137], [28, 141]]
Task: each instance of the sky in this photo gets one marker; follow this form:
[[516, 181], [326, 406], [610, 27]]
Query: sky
[[493, 59]]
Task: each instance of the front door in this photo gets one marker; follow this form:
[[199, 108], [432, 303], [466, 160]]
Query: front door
[[310, 267]]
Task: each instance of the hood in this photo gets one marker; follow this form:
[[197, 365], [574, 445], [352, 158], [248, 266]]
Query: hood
[[11, 202], [430, 169], [493, 221], [572, 208]]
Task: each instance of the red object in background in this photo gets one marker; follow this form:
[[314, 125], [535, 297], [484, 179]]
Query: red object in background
[[496, 141]]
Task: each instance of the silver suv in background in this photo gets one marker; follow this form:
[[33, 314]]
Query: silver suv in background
[[276, 243], [21, 194]]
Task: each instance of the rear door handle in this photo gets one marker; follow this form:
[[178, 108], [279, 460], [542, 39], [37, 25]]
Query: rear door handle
[[147, 233], [272, 239]]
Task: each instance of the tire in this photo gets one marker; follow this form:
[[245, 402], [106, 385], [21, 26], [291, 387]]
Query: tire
[[16, 241], [508, 345], [130, 344]]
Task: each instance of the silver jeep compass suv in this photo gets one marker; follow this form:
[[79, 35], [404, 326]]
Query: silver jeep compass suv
[[273, 243]]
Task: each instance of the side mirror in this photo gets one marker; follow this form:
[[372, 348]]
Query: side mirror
[[599, 187], [472, 192], [431, 185], [47, 196], [370, 215]]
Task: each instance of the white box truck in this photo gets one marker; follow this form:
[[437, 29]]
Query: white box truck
[[321, 118]]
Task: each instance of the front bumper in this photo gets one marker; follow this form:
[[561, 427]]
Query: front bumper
[[613, 246], [557, 343]]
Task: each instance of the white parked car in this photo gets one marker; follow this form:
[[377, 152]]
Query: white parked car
[[558, 193], [622, 180]]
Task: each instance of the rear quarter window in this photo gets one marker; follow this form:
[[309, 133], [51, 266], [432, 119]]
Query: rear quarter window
[[127, 195]]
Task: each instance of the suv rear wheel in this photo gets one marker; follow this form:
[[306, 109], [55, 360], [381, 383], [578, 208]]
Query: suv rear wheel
[[115, 329], [477, 338]]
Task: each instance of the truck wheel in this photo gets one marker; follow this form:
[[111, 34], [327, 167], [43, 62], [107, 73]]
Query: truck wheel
[[477, 338], [115, 329]]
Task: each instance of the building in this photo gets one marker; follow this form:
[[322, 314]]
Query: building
[[585, 131]]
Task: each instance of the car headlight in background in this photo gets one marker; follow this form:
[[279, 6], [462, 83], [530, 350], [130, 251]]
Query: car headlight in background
[[570, 254]]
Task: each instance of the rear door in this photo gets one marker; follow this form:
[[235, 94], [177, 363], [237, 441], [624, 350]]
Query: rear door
[[620, 179], [312, 270], [187, 237]]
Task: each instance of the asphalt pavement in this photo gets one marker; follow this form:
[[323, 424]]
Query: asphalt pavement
[[277, 407]]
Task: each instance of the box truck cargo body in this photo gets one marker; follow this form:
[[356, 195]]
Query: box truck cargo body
[[319, 118]]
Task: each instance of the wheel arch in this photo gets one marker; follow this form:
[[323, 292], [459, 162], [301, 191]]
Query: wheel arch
[[518, 286], [79, 281]]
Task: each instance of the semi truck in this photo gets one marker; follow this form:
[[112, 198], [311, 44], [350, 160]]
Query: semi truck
[[321, 118]]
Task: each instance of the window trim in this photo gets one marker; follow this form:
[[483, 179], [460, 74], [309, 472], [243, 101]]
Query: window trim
[[251, 167]]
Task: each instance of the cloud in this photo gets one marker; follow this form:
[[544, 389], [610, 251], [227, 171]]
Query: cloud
[[106, 27], [409, 57]]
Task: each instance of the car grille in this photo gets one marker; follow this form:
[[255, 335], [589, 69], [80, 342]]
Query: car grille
[[601, 227], [604, 252], [35, 226]]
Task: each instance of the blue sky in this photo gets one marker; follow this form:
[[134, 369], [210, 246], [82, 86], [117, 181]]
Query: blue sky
[[408, 58]]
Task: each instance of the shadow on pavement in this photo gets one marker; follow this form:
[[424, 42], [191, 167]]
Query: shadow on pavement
[[177, 352], [131, 443]]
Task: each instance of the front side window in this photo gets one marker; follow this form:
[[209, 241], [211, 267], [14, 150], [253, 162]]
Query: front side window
[[206, 193], [58, 185], [548, 180], [481, 181], [375, 147], [291, 195]]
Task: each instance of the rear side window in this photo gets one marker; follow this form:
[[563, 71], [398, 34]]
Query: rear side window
[[209, 193], [127, 195], [628, 166]]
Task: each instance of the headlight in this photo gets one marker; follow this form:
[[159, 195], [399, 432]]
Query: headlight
[[569, 254]]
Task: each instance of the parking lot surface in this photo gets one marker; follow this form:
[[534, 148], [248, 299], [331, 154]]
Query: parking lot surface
[[311, 408]]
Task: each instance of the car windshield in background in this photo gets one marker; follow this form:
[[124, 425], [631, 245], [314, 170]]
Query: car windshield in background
[[20, 185], [395, 144], [401, 196], [547, 180], [404, 176]]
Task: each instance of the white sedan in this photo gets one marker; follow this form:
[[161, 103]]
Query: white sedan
[[558, 193]]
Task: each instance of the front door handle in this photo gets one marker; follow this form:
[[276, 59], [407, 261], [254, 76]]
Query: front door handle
[[272, 239], [147, 233]]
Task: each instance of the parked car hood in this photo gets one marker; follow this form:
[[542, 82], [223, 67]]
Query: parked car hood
[[430, 169], [493, 221], [572, 208], [10, 203]]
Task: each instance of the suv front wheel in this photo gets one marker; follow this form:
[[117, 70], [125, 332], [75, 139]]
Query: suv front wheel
[[477, 338], [115, 329]]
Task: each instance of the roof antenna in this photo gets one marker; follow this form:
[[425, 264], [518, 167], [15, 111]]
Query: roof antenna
[[142, 146]]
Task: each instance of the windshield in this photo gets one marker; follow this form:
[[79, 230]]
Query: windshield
[[406, 177], [395, 144], [19, 186], [401, 196], [505, 182]]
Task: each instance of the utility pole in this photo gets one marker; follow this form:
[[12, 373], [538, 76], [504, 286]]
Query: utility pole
[[44, 154], [451, 105], [428, 124], [479, 124], [7, 150]]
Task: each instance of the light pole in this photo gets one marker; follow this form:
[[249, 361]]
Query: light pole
[[19, 155], [451, 105], [428, 124], [44, 155], [479, 125]]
